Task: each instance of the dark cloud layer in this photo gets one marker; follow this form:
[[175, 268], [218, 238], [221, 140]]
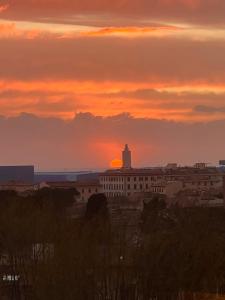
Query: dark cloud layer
[[209, 109], [204, 11], [88, 141], [114, 59]]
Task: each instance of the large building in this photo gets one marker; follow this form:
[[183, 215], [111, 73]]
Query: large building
[[129, 182], [22, 174]]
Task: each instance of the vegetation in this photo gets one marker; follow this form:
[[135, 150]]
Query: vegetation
[[179, 253]]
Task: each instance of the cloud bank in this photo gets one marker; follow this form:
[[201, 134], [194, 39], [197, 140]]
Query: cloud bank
[[198, 11], [90, 141]]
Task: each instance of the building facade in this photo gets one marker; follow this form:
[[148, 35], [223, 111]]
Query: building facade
[[127, 183], [85, 189]]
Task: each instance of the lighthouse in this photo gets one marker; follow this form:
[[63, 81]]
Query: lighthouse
[[126, 158]]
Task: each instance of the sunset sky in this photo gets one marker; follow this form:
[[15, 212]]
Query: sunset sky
[[80, 78]]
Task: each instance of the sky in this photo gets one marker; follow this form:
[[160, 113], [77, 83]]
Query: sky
[[80, 78]]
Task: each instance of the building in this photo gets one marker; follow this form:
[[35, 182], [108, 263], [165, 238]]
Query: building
[[197, 198], [172, 166], [200, 165], [19, 187], [167, 188], [126, 158], [128, 182], [23, 174], [85, 189]]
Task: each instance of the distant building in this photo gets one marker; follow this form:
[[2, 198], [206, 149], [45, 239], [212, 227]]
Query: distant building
[[128, 182], [23, 174], [126, 158], [167, 188], [85, 189], [171, 166], [222, 162], [190, 198], [200, 165], [19, 187]]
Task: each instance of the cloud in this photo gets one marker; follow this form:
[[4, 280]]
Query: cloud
[[131, 31], [197, 11], [52, 143], [26, 30], [63, 99], [176, 95], [3, 7], [150, 60], [58, 70], [209, 109]]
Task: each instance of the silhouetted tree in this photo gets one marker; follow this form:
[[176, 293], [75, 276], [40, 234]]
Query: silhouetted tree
[[97, 207]]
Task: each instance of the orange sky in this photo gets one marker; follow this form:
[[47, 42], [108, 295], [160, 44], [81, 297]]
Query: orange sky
[[150, 60], [157, 59]]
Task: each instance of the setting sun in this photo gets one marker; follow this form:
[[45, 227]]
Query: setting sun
[[116, 163]]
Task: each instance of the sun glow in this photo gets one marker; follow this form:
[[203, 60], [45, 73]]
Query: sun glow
[[116, 163]]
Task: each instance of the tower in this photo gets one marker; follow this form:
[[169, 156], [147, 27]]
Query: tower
[[126, 157]]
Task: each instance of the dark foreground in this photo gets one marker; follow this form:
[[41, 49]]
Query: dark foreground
[[170, 254]]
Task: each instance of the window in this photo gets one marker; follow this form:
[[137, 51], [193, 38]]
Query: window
[[89, 190], [146, 186], [141, 187], [146, 178], [135, 178], [128, 179], [128, 186], [135, 186]]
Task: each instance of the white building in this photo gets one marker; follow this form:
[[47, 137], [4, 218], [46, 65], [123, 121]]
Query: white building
[[127, 183]]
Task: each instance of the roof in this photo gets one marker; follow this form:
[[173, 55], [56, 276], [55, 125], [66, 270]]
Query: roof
[[163, 171], [61, 184], [16, 184], [87, 184], [132, 172], [71, 184]]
